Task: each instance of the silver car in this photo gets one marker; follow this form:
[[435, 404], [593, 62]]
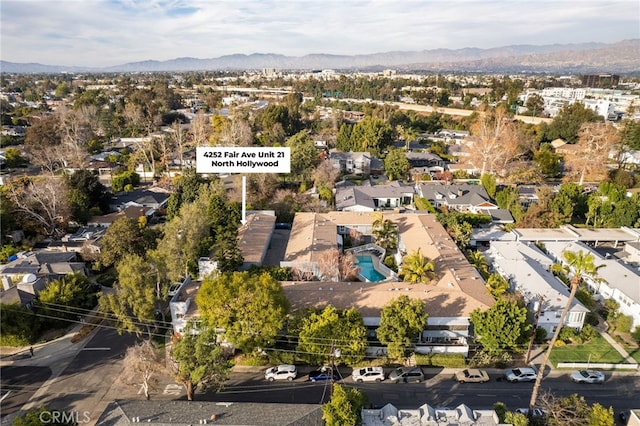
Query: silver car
[[587, 376], [522, 374], [406, 375]]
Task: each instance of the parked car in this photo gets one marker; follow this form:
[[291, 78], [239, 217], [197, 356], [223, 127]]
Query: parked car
[[537, 412], [471, 375], [587, 376], [407, 374], [367, 374], [522, 374], [281, 372], [322, 374]]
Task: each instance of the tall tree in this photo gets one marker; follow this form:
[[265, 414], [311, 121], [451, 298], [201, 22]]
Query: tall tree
[[384, 231], [125, 236], [494, 142], [134, 301], [566, 125], [199, 361], [251, 309], [417, 268], [44, 200], [502, 327], [401, 321], [396, 165], [322, 332], [589, 161], [578, 264], [304, 155]]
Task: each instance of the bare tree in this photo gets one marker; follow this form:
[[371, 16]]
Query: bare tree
[[142, 363], [494, 142], [75, 133], [43, 199], [200, 129], [328, 263], [348, 269], [325, 174], [335, 266], [595, 142]]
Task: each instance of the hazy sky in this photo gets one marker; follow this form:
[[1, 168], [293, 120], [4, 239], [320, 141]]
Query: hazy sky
[[111, 32]]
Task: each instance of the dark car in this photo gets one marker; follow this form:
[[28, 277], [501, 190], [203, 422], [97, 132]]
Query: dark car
[[406, 375], [323, 374]]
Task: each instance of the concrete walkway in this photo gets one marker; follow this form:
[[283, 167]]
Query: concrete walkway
[[618, 347]]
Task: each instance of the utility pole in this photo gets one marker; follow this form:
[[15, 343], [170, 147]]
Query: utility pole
[[335, 353], [536, 317]]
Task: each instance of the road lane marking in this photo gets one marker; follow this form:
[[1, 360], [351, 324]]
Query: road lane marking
[[5, 395], [96, 349]]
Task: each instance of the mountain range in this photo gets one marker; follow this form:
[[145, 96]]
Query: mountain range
[[621, 57]]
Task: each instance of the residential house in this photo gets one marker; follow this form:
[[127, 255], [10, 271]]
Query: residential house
[[426, 415], [30, 272], [620, 280], [367, 197], [130, 211], [464, 198], [457, 291], [183, 305], [528, 271], [180, 412], [153, 197], [426, 160], [351, 162], [254, 239]]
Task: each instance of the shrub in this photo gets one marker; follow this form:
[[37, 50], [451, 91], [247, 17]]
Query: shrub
[[541, 335], [635, 334], [390, 262], [441, 360], [567, 334], [282, 357], [591, 319], [623, 323], [588, 333]]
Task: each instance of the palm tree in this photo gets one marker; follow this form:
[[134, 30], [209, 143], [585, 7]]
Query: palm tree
[[579, 264], [385, 232], [478, 260], [417, 268]]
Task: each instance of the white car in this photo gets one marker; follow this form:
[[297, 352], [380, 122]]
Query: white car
[[522, 374], [367, 374], [587, 376], [281, 372]]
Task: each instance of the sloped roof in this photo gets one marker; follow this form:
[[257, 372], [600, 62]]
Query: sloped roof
[[158, 412]]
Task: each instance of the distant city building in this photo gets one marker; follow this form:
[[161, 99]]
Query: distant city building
[[600, 80]]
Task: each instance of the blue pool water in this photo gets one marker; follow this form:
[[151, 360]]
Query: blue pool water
[[367, 270]]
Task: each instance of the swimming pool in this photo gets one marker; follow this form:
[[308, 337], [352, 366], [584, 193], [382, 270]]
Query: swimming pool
[[367, 270]]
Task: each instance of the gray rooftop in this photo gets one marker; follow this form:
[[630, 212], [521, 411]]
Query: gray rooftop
[[160, 413]]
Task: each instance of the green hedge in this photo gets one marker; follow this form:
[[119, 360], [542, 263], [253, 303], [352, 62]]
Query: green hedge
[[441, 360]]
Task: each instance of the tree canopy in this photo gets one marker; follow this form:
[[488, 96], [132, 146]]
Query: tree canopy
[[134, 302], [401, 321], [345, 406], [333, 328], [502, 327], [396, 165], [200, 361], [251, 309]]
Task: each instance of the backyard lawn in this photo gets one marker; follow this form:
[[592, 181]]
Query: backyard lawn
[[597, 350]]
